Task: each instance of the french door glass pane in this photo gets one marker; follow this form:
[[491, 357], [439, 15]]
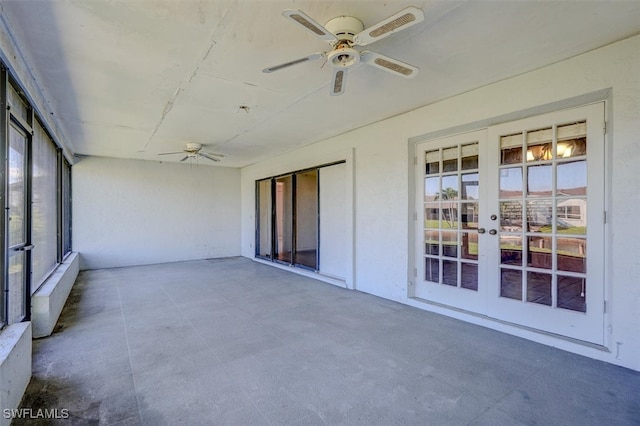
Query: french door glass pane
[[264, 219], [571, 293], [551, 231], [451, 214], [284, 219], [307, 219]]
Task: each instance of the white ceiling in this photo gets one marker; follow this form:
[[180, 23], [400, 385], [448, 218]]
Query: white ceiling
[[134, 78]]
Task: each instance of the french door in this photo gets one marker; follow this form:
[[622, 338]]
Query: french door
[[513, 222]]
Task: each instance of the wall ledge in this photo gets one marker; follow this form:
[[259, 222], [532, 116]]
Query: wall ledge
[[47, 302], [15, 366]]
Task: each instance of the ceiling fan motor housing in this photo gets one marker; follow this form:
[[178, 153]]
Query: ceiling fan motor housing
[[345, 28], [193, 147]]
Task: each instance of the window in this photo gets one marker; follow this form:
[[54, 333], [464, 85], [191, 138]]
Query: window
[[36, 225]]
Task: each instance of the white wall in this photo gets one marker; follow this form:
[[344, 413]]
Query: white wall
[[382, 169], [129, 212]]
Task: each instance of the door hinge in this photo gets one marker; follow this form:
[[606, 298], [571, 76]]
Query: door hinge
[[604, 127], [415, 215], [415, 161], [604, 216], [415, 272], [604, 307]]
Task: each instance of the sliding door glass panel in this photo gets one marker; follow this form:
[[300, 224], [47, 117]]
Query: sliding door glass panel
[[283, 219], [44, 207], [66, 208], [17, 223], [263, 244], [307, 219]]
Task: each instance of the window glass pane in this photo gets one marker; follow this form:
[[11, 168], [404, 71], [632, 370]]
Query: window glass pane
[[432, 160], [66, 207], [539, 252], [539, 182], [450, 159], [571, 293], [44, 206], [469, 245], [17, 153], [572, 140], [431, 188], [511, 250], [510, 216], [469, 154], [571, 216], [539, 288], [264, 218], [307, 218], [539, 145], [450, 273], [17, 290], [511, 284], [572, 179], [431, 270], [539, 216], [572, 254], [469, 215], [432, 215], [511, 182], [469, 190], [449, 188], [511, 149], [450, 243], [431, 242], [469, 276]]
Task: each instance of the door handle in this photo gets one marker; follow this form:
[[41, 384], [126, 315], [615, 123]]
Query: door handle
[[492, 232], [25, 248], [481, 231]]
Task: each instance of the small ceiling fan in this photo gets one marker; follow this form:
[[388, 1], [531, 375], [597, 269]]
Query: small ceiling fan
[[194, 150], [345, 32]]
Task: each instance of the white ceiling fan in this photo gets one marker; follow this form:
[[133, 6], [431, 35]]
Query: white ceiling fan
[[345, 32], [194, 151]]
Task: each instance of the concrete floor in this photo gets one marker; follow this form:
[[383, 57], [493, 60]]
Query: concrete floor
[[231, 341]]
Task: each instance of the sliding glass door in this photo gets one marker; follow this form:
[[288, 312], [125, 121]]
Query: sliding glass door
[[288, 218], [306, 219]]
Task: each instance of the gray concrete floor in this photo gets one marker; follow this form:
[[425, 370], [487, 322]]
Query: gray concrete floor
[[231, 341]]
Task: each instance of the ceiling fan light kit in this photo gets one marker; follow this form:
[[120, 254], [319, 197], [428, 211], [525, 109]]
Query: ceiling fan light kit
[[345, 32]]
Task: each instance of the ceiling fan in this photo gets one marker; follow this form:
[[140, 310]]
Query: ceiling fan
[[194, 150], [345, 32]]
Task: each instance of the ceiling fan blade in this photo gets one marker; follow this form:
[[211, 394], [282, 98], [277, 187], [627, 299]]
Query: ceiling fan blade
[[207, 156], [397, 22], [170, 153], [308, 58], [184, 158], [388, 64], [215, 154], [304, 21], [338, 81]]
